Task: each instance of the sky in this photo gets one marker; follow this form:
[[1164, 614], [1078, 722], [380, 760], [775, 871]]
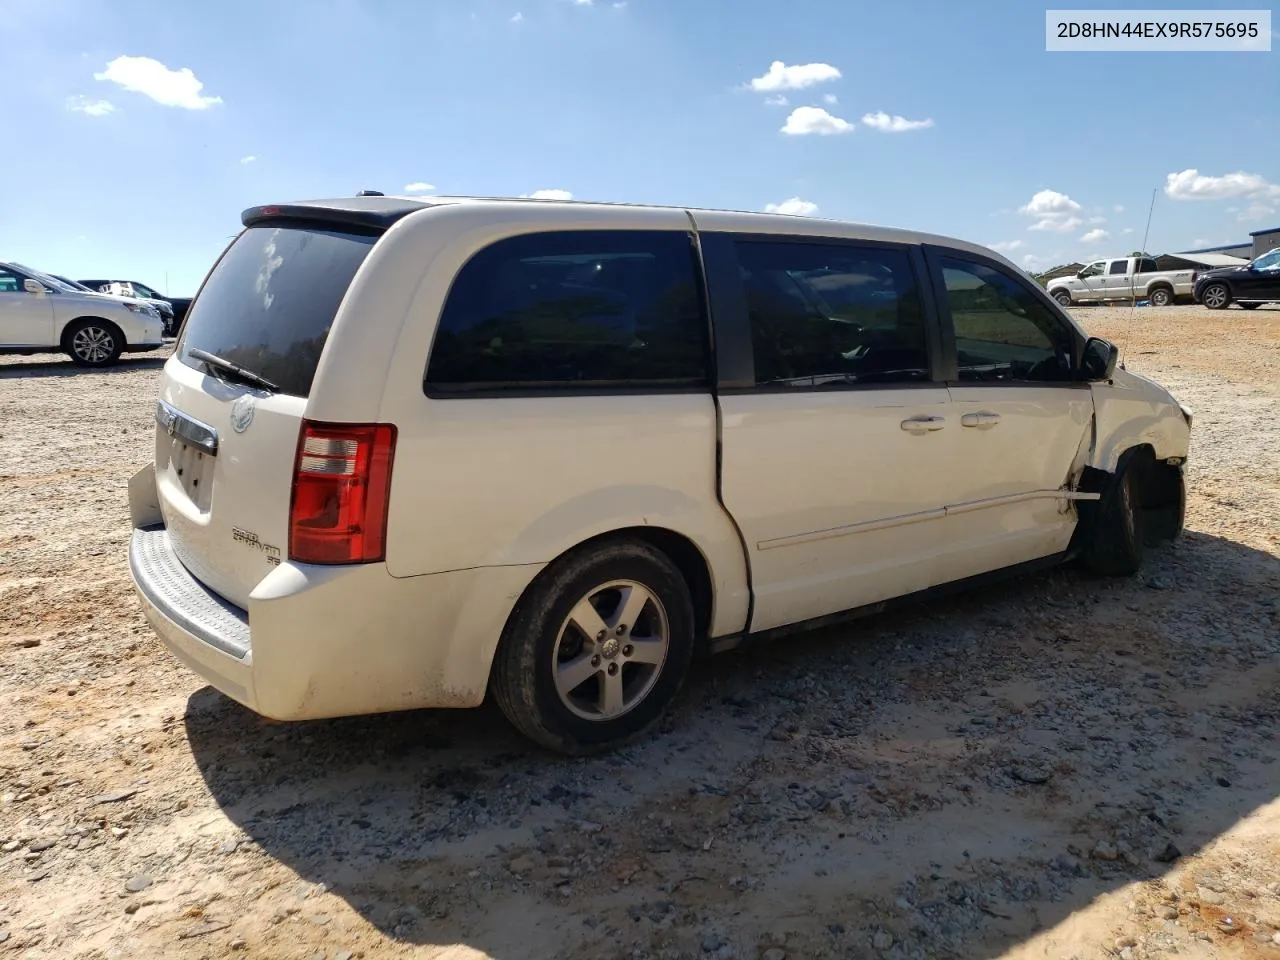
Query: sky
[[140, 129]]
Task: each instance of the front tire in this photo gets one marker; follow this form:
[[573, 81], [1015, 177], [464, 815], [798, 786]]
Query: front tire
[[1216, 296], [1115, 548], [1063, 297], [596, 649], [1161, 297], [93, 343]]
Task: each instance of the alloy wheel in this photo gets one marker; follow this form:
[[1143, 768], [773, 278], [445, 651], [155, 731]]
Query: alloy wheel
[[93, 344], [610, 650]]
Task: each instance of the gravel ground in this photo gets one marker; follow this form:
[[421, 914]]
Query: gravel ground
[[1059, 767]]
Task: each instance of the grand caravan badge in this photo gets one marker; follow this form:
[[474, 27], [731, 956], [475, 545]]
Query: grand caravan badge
[[242, 413]]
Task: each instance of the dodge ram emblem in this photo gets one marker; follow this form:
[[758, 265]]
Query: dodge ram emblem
[[242, 413]]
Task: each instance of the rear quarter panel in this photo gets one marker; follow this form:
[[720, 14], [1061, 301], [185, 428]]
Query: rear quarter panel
[[485, 482]]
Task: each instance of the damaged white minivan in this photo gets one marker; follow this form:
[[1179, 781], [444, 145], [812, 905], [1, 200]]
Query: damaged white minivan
[[411, 452]]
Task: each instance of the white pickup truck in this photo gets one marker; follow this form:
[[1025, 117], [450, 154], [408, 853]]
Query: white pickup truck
[[1124, 278]]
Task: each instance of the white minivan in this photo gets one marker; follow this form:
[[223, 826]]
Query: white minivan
[[410, 452]]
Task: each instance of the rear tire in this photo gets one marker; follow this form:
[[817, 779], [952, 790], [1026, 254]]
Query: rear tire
[[1250, 306], [1063, 297], [571, 673], [1116, 546], [1216, 296], [1161, 297], [93, 343]]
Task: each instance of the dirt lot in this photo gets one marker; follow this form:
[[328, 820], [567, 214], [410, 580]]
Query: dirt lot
[[1061, 767]]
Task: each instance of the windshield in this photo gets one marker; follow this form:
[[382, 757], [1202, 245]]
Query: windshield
[[1268, 261], [268, 304], [142, 290], [47, 279]]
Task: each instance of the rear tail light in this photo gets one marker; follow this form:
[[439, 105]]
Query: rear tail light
[[341, 486]]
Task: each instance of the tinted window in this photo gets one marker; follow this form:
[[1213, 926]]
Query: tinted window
[[1119, 266], [573, 308], [833, 314], [1147, 266], [271, 299], [1003, 330]]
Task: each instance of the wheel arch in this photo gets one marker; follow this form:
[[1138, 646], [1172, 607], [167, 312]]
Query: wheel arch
[[67, 327], [679, 548]]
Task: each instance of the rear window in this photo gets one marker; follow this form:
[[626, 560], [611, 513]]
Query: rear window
[[270, 301]]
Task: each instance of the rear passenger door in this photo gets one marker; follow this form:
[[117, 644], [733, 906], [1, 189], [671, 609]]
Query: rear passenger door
[[1024, 419], [834, 430], [1119, 281]]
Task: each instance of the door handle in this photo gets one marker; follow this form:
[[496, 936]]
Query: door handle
[[923, 424], [982, 421]]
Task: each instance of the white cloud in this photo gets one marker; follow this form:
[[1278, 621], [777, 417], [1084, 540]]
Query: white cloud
[[794, 207], [1096, 236], [251, 158], [548, 195], [1056, 224], [151, 78], [1007, 246], [804, 120], [782, 77], [1118, 208], [1127, 230], [1052, 211], [619, 4], [1191, 184], [517, 17], [1256, 211], [584, 3], [895, 124], [830, 98], [1097, 220], [1200, 242], [1034, 262], [778, 101], [418, 186], [94, 108]]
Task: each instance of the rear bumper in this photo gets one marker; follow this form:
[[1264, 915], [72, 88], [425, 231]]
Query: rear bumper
[[331, 641]]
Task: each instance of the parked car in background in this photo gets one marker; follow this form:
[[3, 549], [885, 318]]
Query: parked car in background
[[409, 451], [39, 313], [1123, 278], [174, 308], [1256, 282]]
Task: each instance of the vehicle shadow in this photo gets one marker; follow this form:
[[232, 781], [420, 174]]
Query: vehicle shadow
[[956, 777], [21, 367]]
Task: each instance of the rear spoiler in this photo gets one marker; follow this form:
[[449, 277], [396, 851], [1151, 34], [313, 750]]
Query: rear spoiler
[[361, 213]]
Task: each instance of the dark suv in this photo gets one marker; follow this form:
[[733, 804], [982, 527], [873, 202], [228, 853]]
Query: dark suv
[[178, 305], [1254, 283]]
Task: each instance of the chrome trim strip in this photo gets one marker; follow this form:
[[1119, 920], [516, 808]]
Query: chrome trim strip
[[908, 518], [864, 527], [187, 429]]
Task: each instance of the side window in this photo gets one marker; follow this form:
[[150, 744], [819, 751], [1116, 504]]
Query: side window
[[573, 308], [10, 282], [1119, 266], [1003, 330], [1092, 270], [833, 314], [1146, 266]]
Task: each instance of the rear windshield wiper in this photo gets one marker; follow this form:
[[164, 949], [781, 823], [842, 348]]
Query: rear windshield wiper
[[237, 371]]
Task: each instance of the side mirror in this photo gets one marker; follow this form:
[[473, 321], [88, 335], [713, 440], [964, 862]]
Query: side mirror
[[1079, 274], [35, 287], [1099, 359]]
